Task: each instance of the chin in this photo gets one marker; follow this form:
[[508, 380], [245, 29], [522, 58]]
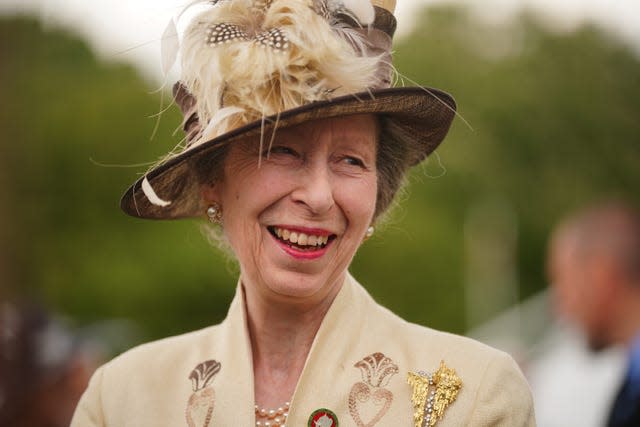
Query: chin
[[302, 286]]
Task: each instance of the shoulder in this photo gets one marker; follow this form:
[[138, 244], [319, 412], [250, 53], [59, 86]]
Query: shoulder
[[124, 384], [163, 362], [414, 339], [494, 391], [420, 340], [465, 354], [166, 350]]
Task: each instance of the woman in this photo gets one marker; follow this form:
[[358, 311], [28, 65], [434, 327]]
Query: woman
[[296, 146]]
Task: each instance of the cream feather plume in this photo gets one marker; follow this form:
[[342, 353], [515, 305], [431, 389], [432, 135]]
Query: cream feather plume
[[169, 47], [244, 59], [170, 41]]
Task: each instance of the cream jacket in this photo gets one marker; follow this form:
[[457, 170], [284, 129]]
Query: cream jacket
[[364, 368]]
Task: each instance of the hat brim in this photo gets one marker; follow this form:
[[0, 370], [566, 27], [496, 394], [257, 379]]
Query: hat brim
[[421, 118]]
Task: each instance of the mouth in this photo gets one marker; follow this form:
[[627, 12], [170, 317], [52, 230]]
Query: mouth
[[300, 241]]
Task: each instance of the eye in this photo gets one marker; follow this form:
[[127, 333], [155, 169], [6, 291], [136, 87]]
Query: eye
[[354, 161], [281, 149]]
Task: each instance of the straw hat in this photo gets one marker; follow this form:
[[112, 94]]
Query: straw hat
[[250, 67]]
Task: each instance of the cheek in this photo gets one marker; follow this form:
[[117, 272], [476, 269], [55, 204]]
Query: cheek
[[253, 192], [371, 191], [358, 202], [244, 204]]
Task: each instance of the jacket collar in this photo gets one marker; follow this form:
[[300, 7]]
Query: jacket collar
[[315, 389]]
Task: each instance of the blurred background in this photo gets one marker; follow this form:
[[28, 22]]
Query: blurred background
[[549, 103]]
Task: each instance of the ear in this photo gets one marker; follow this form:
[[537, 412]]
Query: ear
[[210, 193], [606, 276]]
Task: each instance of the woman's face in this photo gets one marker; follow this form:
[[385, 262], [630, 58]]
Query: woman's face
[[296, 215]]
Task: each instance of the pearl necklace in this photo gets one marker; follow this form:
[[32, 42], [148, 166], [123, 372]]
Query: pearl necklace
[[272, 417]]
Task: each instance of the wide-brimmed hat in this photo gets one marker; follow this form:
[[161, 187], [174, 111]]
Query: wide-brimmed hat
[[250, 67]]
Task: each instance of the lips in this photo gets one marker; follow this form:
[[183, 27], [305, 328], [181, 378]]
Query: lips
[[303, 240]]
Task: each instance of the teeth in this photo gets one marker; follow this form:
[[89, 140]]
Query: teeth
[[301, 238]]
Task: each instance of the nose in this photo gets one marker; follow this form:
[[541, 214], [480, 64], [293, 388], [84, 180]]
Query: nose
[[315, 189]]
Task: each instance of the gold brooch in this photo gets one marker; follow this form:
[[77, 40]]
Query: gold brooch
[[432, 394]]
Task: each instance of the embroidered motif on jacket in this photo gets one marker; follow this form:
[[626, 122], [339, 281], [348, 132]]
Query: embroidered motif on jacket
[[369, 400], [202, 401]]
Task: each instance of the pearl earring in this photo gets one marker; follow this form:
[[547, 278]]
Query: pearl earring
[[369, 232], [214, 213]]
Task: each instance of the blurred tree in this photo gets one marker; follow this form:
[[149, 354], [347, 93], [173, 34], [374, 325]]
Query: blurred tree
[[63, 112], [554, 120]]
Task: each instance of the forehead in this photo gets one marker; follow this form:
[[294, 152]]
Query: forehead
[[357, 133], [355, 129]]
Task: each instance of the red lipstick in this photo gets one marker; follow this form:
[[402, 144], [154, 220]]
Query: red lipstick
[[302, 255]]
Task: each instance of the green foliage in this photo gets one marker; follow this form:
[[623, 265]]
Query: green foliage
[[554, 122], [555, 126], [68, 244]]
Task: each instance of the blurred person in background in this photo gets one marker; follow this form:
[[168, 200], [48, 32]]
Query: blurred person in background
[[594, 266], [43, 368], [296, 146]]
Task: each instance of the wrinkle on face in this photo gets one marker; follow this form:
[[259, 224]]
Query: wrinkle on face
[[322, 186]]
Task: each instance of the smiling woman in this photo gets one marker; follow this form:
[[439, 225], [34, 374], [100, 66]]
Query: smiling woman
[[295, 147]]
